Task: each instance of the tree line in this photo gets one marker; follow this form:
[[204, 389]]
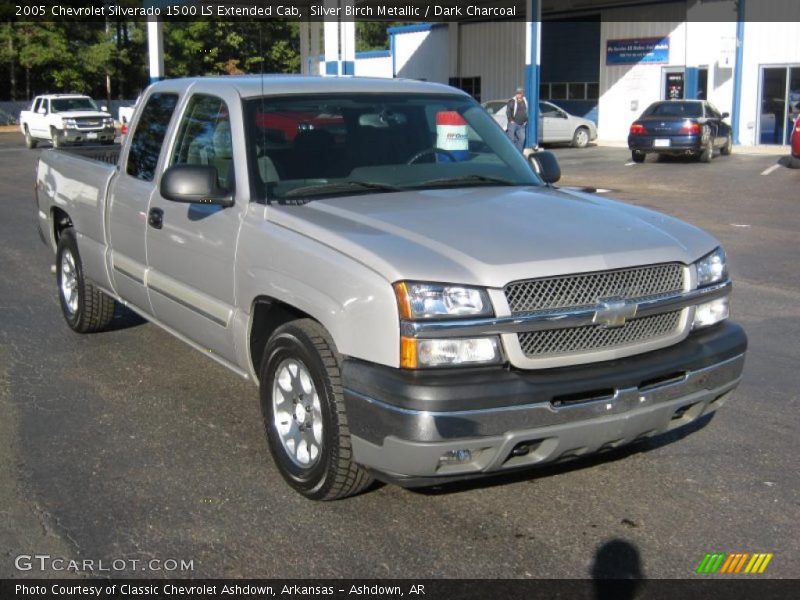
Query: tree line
[[109, 60]]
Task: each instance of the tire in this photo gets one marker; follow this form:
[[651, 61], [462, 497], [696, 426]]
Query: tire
[[85, 308], [30, 141], [707, 151], [57, 143], [580, 139], [727, 149], [301, 380], [638, 156]]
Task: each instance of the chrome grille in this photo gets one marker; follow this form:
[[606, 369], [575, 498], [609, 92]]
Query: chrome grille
[[551, 342], [88, 122], [587, 289]]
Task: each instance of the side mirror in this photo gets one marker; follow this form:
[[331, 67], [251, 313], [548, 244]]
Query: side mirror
[[545, 164], [41, 110], [726, 115], [103, 108], [194, 184]]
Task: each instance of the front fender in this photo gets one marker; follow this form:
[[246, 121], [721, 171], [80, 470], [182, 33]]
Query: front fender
[[354, 303]]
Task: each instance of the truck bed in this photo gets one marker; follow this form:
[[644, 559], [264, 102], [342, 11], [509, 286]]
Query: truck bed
[[75, 180], [101, 153]]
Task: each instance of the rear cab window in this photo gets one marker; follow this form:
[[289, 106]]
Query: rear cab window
[[687, 110]]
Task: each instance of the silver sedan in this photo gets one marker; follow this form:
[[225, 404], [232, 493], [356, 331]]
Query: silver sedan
[[556, 124]]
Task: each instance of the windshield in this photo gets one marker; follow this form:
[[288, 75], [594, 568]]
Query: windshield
[[313, 146], [675, 109], [67, 104]]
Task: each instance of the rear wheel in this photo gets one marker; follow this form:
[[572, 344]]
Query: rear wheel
[[30, 141], [85, 308], [707, 150], [304, 414], [580, 139], [638, 156], [728, 147]]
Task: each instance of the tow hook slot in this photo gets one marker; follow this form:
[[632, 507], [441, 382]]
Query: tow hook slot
[[582, 397], [662, 380]]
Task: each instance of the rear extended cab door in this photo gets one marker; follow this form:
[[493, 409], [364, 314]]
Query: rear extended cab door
[[129, 195], [37, 123], [191, 248]]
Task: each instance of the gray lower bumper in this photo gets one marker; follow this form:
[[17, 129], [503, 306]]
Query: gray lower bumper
[[80, 135], [406, 443]]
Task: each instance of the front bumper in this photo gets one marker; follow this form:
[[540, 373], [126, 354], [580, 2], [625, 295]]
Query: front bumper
[[87, 135], [402, 422], [677, 143]]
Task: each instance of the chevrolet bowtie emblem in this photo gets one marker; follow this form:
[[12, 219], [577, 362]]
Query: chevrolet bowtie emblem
[[614, 313]]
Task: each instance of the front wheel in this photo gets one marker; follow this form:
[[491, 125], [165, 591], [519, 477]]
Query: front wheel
[[304, 415], [638, 156], [86, 309], [580, 138], [54, 136]]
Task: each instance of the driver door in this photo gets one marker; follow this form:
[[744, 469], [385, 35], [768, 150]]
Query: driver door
[[191, 248]]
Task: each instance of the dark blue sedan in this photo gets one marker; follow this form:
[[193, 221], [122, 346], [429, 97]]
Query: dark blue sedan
[[680, 127]]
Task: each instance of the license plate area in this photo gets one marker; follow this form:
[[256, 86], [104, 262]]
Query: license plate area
[[661, 143], [92, 135]]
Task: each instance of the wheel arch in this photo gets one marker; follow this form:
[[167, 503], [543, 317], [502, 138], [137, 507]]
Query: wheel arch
[[59, 220], [266, 315]]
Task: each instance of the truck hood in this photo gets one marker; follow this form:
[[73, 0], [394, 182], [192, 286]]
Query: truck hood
[[490, 236], [77, 114]]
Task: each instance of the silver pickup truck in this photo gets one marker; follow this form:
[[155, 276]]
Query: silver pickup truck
[[415, 301]]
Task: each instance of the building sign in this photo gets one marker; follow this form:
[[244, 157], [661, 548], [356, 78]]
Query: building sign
[[674, 86], [639, 50]]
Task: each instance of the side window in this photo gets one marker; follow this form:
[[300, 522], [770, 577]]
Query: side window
[[37, 104], [148, 137], [712, 111], [204, 138]]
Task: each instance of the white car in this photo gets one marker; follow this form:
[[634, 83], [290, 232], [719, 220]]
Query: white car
[[66, 119], [556, 124]]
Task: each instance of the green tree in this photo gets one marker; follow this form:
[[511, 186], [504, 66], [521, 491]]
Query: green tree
[[372, 35]]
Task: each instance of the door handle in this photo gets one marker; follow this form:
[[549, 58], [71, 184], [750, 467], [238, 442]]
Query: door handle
[[155, 218]]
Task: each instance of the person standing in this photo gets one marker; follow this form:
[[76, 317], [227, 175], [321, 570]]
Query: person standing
[[517, 113]]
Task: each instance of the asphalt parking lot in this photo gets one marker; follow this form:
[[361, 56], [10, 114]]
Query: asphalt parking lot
[[130, 445]]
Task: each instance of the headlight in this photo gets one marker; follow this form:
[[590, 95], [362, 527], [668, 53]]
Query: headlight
[[433, 300], [108, 122], [422, 353], [70, 123], [712, 268]]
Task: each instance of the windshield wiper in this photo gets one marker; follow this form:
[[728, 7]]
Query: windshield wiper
[[465, 180], [340, 187]]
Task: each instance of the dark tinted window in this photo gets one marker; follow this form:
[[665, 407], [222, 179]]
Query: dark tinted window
[[675, 109], [67, 104], [148, 137]]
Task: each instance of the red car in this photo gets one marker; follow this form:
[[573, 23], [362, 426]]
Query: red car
[[796, 144]]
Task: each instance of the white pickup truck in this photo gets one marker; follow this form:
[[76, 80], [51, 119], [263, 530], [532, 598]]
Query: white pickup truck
[[413, 300], [66, 119]]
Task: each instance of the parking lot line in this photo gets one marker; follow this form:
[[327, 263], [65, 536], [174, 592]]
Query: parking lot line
[[770, 169]]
